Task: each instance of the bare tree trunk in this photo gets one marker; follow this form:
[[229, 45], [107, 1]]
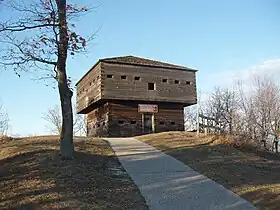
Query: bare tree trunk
[[275, 142], [264, 141], [276, 146], [46, 24], [230, 128], [66, 137], [264, 144]]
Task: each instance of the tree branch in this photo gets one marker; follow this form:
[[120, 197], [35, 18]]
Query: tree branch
[[28, 54], [22, 27]]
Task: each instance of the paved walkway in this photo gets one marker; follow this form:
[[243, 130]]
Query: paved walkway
[[167, 183]]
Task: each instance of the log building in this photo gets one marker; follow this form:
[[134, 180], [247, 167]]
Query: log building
[[129, 96]]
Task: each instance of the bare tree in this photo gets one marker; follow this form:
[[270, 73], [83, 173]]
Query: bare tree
[[54, 119], [258, 111], [190, 118], [245, 115], [221, 106], [254, 115], [229, 108], [40, 37], [275, 116], [4, 121], [80, 125], [265, 104]]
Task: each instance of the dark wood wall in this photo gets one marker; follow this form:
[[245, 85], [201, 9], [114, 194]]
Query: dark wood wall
[[97, 121], [177, 86], [122, 119], [168, 119], [104, 82], [89, 89]]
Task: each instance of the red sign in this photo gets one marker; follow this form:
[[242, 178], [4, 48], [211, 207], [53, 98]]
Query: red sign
[[148, 108]]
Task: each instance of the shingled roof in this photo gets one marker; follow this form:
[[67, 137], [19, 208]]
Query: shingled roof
[[132, 60], [138, 61]]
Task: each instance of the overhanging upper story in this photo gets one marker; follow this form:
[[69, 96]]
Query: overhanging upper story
[[132, 78]]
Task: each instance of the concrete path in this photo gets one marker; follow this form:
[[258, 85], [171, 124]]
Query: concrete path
[[167, 183]]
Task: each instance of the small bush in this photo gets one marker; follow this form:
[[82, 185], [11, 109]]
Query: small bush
[[4, 138]]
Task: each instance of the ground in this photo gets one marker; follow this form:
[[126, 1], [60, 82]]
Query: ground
[[250, 174], [33, 176]]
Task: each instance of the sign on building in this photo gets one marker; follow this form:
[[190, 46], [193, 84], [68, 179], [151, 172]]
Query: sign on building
[[147, 108]]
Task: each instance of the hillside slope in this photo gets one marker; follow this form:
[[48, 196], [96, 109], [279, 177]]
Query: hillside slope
[[33, 176], [253, 176]]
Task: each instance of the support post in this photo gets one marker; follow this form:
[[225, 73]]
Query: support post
[[197, 116], [197, 121], [153, 123], [143, 123]]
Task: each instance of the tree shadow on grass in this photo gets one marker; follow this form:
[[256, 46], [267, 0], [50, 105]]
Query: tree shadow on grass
[[40, 179], [251, 174]]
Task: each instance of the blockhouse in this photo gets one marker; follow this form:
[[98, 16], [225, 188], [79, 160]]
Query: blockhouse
[[128, 96]]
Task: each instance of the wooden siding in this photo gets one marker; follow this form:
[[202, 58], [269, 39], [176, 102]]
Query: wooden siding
[[131, 89], [95, 86], [122, 119], [169, 116], [97, 121], [126, 113], [89, 89]]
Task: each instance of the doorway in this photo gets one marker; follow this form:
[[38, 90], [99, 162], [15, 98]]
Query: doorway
[[148, 123]]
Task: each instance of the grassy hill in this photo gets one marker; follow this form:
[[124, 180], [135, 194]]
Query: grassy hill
[[33, 176], [254, 175]]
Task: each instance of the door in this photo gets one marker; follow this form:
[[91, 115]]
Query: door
[[148, 123]]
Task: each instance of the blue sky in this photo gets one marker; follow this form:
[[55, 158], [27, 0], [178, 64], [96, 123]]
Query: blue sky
[[220, 38]]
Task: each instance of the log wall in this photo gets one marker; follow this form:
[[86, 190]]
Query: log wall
[[97, 121], [89, 89], [107, 81], [130, 82], [122, 119]]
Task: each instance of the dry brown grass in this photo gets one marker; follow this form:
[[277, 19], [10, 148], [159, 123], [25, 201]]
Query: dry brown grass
[[254, 175], [33, 176]]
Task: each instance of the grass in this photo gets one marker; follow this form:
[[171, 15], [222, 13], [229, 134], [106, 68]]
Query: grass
[[33, 176], [254, 175]]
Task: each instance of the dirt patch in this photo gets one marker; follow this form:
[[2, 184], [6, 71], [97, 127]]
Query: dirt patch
[[33, 176], [254, 175]]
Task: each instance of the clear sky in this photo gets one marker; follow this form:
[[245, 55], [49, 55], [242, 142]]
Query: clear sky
[[220, 38]]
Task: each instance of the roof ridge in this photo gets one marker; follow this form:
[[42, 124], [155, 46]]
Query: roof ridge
[[138, 60], [116, 57], [166, 62]]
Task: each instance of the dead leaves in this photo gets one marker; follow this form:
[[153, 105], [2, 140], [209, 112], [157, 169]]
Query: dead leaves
[[34, 176]]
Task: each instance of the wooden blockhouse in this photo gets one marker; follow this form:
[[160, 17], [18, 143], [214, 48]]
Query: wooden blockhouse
[[129, 96]]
